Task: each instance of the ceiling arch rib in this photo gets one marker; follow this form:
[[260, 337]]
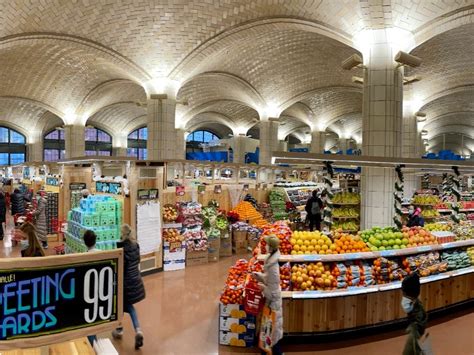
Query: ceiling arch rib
[[207, 119], [116, 117], [110, 92], [241, 115], [303, 61], [65, 70], [446, 64], [209, 86], [135, 123]]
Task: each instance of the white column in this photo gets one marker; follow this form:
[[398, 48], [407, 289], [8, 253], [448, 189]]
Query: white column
[[180, 152], [161, 143], [343, 145], [382, 125], [409, 142], [35, 147], [268, 140], [238, 148], [119, 152], [74, 136], [318, 141]]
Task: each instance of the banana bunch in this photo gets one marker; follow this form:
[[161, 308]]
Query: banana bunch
[[346, 212]]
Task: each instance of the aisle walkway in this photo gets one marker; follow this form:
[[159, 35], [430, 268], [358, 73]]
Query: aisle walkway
[[180, 317]]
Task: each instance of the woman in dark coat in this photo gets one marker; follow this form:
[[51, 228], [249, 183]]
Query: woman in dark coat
[[133, 288], [3, 214], [17, 201]]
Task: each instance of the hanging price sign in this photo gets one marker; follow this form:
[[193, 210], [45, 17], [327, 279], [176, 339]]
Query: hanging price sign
[[59, 298]]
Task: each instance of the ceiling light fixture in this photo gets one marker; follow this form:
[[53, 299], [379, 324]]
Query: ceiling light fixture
[[357, 80], [411, 79]]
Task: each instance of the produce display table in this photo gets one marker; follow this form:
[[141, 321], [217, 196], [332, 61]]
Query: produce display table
[[342, 310], [321, 312]]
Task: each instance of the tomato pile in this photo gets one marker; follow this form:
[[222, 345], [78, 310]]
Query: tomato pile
[[234, 287], [282, 232]]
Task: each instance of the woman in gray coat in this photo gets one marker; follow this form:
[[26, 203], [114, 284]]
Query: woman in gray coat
[[270, 280], [40, 219]]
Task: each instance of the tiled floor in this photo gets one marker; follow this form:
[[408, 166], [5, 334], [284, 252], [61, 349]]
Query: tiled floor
[[179, 316]]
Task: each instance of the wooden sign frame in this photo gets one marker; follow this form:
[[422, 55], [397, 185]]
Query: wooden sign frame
[[66, 260]]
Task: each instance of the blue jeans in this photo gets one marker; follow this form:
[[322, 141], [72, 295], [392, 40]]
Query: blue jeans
[[128, 308]]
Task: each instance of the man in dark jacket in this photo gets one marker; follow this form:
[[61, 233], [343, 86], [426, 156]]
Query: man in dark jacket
[[17, 201], [314, 208]]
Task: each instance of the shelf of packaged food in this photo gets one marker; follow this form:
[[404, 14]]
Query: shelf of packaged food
[[372, 254], [357, 290]]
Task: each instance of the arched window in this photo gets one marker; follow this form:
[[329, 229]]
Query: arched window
[[12, 147], [54, 145], [98, 142], [196, 138], [136, 143]]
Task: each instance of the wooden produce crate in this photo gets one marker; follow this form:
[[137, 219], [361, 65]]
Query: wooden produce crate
[[214, 249], [196, 257]]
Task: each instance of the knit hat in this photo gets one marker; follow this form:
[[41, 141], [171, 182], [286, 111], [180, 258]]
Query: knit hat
[[272, 241], [411, 285]]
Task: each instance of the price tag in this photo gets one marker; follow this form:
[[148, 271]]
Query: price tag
[[306, 294], [388, 253], [312, 258], [352, 256], [449, 245]]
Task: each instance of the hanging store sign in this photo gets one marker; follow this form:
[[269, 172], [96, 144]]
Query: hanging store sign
[[105, 187], [59, 298], [52, 181]]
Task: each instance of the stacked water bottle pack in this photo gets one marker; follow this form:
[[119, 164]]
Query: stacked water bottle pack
[[101, 214]]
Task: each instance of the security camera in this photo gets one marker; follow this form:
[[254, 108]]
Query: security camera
[[357, 80], [407, 59], [351, 62]]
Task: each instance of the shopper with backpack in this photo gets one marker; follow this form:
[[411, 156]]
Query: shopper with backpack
[[314, 208]]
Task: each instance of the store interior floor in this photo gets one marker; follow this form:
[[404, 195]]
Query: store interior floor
[[180, 316]]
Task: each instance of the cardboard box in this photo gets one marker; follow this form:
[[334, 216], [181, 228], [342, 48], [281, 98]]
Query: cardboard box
[[214, 249], [234, 339], [196, 257], [236, 325], [233, 311], [239, 236], [225, 248], [240, 247]]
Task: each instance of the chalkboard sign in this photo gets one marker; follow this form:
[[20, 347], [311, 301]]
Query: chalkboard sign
[[77, 186], [54, 299]]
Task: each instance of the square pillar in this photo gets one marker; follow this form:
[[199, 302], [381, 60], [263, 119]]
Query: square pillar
[[161, 143], [180, 152], [75, 144], [318, 142], [381, 129], [35, 150], [268, 140]]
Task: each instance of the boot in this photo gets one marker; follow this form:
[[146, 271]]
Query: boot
[[138, 340]]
